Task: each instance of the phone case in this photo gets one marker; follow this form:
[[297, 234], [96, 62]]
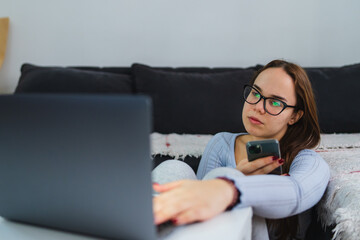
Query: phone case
[[264, 148]]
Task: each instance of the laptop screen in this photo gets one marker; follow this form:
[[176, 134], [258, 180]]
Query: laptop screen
[[77, 163]]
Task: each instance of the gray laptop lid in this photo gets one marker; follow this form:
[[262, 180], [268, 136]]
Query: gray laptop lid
[[77, 163]]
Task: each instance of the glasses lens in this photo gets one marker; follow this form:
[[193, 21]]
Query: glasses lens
[[251, 95], [274, 106]]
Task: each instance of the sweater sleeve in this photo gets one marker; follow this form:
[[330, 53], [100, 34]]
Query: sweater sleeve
[[273, 196], [216, 154]]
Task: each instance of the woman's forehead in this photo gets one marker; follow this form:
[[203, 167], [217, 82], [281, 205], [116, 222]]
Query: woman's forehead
[[275, 81]]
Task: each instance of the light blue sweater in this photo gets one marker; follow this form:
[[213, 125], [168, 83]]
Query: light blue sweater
[[270, 196]]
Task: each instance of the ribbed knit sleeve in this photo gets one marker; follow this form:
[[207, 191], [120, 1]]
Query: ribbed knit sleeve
[[270, 196]]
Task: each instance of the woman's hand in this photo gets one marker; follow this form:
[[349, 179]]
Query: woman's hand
[[259, 166], [188, 201]]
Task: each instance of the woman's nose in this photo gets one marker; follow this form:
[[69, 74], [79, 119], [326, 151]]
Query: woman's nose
[[259, 107]]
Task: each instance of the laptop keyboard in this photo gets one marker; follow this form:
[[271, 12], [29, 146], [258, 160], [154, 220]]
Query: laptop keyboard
[[164, 229]]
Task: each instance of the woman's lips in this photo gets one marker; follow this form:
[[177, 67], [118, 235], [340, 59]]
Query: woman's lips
[[255, 121]]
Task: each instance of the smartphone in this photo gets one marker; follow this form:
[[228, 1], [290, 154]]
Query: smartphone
[[264, 148]]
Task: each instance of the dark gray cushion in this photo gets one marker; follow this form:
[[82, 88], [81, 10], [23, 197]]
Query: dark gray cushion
[[36, 79], [337, 97], [194, 103]]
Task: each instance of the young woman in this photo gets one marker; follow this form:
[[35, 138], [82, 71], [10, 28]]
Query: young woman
[[279, 104]]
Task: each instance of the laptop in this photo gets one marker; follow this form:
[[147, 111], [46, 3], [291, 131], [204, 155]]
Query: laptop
[[79, 163]]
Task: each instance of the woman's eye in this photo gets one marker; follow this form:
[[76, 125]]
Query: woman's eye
[[275, 103], [256, 94]]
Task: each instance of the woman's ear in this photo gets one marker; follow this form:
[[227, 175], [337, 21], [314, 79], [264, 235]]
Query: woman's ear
[[296, 117]]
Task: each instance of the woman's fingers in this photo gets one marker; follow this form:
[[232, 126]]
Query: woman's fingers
[[165, 210], [248, 168], [171, 201], [259, 166], [269, 168], [192, 201], [166, 187], [213, 197], [262, 162]]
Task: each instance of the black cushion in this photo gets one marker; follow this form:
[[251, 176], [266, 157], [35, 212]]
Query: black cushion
[[194, 103], [38, 79], [337, 97]]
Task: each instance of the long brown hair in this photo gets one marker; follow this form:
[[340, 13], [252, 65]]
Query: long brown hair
[[304, 134]]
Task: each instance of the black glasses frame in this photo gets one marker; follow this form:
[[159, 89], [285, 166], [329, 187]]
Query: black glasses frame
[[262, 97]]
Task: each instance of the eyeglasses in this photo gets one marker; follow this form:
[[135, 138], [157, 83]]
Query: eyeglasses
[[272, 106]]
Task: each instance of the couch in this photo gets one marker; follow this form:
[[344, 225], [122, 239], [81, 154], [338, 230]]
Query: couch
[[201, 101]]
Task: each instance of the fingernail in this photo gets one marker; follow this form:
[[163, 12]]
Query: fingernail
[[281, 161], [274, 158], [155, 183], [174, 221], [286, 174]]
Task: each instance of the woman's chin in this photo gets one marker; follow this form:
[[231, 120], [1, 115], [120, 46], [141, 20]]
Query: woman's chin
[[253, 130], [256, 132]]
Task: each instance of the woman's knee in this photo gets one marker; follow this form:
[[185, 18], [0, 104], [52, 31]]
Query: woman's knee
[[172, 170]]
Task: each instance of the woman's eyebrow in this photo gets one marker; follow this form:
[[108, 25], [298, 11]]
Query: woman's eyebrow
[[272, 96], [257, 87]]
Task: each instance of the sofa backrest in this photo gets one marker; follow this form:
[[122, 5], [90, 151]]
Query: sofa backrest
[[337, 97], [198, 100]]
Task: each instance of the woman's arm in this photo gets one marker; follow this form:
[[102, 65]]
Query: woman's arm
[[219, 152], [216, 154], [273, 196]]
